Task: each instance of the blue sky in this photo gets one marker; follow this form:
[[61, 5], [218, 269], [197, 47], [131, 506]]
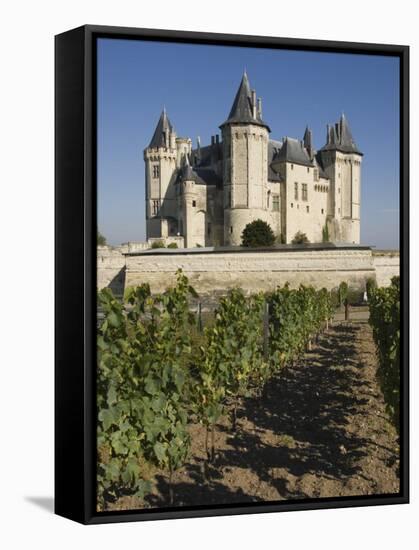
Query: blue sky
[[197, 84]]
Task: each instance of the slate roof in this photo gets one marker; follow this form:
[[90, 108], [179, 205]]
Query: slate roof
[[159, 136], [208, 153], [273, 148], [319, 163], [339, 138], [292, 150], [198, 174], [242, 111], [208, 176]]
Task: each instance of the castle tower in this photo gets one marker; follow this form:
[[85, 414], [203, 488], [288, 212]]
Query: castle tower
[[188, 197], [160, 166], [341, 160], [245, 151]]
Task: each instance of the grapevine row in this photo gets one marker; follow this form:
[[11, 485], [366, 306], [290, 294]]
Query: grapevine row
[[158, 373], [385, 321]]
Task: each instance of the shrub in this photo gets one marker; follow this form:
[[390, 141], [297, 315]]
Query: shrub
[[257, 233], [300, 238], [370, 285], [158, 244], [172, 245]]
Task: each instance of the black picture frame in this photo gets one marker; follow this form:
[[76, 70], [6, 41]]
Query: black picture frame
[[75, 271]]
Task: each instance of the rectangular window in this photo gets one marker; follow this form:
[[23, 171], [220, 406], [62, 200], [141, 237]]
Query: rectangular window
[[156, 171], [193, 203], [296, 191], [308, 208], [275, 203], [304, 194], [322, 210], [316, 174], [155, 208]]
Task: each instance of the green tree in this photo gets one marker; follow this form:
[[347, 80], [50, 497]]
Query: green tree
[[300, 238], [257, 233], [343, 292], [101, 240]]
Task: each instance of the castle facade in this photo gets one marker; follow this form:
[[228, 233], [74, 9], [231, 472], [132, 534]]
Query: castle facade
[[208, 194]]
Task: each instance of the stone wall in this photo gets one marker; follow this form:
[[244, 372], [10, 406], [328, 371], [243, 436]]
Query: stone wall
[[216, 271], [387, 265], [111, 268], [211, 271]]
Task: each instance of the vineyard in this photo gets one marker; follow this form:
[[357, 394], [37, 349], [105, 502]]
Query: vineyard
[[169, 388], [385, 321]]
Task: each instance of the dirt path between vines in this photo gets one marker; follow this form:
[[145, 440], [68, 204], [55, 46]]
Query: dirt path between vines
[[322, 431]]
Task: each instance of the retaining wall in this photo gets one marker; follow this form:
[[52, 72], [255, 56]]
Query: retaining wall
[[216, 271]]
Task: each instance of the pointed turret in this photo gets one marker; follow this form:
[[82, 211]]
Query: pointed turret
[[245, 109], [161, 136], [308, 141], [339, 138]]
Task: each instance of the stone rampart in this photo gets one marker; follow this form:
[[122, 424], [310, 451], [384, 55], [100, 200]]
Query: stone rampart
[[218, 270]]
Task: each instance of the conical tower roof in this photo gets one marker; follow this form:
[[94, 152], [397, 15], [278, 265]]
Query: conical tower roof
[[159, 136], [242, 111], [340, 138]]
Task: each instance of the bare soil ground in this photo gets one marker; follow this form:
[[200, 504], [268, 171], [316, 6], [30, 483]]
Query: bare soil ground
[[320, 431]]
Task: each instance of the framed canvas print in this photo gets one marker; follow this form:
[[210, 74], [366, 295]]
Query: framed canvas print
[[231, 274]]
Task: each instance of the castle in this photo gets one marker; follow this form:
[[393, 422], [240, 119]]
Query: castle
[[208, 195]]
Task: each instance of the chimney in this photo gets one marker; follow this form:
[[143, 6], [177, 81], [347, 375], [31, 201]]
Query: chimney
[[212, 140], [254, 103], [198, 156], [217, 139], [166, 137], [260, 107]]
